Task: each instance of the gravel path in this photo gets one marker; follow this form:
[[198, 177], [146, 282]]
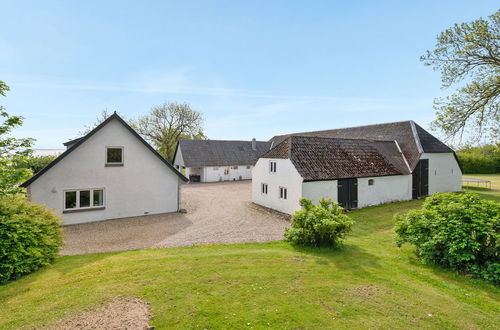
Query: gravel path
[[216, 213]]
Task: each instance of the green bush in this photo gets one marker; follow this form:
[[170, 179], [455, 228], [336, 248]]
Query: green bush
[[456, 231], [30, 237], [34, 163], [324, 224]]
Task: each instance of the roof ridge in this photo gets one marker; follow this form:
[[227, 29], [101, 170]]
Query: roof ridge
[[338, 138], [334, 129]]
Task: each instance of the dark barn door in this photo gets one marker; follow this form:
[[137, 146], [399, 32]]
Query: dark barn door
[[420, 179], [347, 193]]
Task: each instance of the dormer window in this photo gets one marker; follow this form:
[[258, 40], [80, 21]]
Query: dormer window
[[114, 156]]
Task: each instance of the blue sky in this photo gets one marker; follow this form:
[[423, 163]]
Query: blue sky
[[254, 68]]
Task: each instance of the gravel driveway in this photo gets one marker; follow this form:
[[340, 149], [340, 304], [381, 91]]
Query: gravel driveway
[[216, 213]]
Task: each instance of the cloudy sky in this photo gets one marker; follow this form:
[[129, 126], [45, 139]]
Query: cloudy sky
[[254, 68]]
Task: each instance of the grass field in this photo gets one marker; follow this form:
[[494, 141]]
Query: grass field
[[493, 193], [370, 283]]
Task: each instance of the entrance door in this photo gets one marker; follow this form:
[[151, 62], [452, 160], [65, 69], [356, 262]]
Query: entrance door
[[420, 179], [347, 193]]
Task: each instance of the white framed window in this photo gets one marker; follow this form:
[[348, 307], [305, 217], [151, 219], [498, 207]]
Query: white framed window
[[249, 167], [83, 199], [114, 156], [234, 167], [283, 193], [371, 182], [264, 188], [216, 168], [272, 166]]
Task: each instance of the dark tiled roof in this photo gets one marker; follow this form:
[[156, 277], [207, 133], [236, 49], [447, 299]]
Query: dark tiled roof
[[430, 143], [317, 158], [412, 139], [199, 153]]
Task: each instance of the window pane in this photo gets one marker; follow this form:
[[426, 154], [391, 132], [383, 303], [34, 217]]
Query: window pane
[[114, 155], [84, 198], [70, 200], [98, 198]]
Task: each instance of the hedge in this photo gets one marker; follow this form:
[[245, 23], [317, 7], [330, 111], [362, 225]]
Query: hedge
[[30, 237]]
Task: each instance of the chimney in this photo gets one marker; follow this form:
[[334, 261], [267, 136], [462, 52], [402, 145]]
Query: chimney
[[254, 144]]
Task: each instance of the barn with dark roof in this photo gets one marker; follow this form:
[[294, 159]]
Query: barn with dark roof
[[356, 166], [218, 160]]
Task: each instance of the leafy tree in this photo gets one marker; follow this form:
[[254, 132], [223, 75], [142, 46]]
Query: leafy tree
[[469, 52], [482, 159], [12, 150], [34, 163], [167, 123]]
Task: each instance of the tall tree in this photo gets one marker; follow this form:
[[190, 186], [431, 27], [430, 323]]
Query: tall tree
[[12, 150], [165, 124], [469, 53]]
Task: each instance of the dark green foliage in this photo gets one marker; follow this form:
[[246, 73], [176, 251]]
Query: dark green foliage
[[34, 163], [30, 237], [324, 224], [456, 231], [480, 160]]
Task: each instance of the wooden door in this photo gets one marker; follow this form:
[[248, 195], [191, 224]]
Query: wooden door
[[420, 179], [347, 193]]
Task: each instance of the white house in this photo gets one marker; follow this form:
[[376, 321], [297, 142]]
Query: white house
[[109, 173], [357, 167], [215, 160]]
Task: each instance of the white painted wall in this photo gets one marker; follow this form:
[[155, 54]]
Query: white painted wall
[[316, 190], [444, 173], [286, 176], [216, 173], [384, 190], [143, 184]]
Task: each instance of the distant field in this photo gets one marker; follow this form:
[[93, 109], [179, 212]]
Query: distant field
[[493, 193], [370, 283]]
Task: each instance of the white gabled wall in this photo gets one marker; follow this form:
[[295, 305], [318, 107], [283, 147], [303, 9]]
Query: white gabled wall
[[143, 184], [385, 189], [286, 176], [444, 173]]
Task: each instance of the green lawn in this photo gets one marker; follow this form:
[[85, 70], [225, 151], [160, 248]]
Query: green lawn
[[493, 193], [370, 283]]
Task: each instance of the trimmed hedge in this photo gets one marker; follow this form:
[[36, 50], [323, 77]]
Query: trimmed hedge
[[324, 224], [455, 231], [30, 237]]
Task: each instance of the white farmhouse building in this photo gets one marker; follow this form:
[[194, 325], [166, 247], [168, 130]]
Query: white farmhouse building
[[215, 160], [357, 167], [109, 173]]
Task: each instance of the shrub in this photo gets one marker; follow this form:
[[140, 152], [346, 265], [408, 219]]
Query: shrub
[[30, 237], [324, 224], [480, 160], [456, 231]]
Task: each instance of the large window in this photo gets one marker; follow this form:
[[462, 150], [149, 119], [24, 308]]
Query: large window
[[272, 166], [114, 156], [83, 199], [283, 193]]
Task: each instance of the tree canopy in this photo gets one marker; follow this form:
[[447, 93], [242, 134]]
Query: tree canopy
[[12, 150], [469, 54], [165, 124]]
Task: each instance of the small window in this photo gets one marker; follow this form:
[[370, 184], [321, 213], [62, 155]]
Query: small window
[[264, 188], [114, 155], [70, 199], [83, 199], [283, 193], [235, 167], [272, 167], [249, 167], [216, 168], [371, 182]]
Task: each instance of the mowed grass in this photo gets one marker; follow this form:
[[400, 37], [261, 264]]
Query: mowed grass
[[369, 283], [487, 193]]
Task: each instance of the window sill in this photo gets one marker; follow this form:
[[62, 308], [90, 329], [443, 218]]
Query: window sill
[[113, 165], [85, 210]]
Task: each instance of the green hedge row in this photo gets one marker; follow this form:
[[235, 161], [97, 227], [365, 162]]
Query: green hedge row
[[30, 237]]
